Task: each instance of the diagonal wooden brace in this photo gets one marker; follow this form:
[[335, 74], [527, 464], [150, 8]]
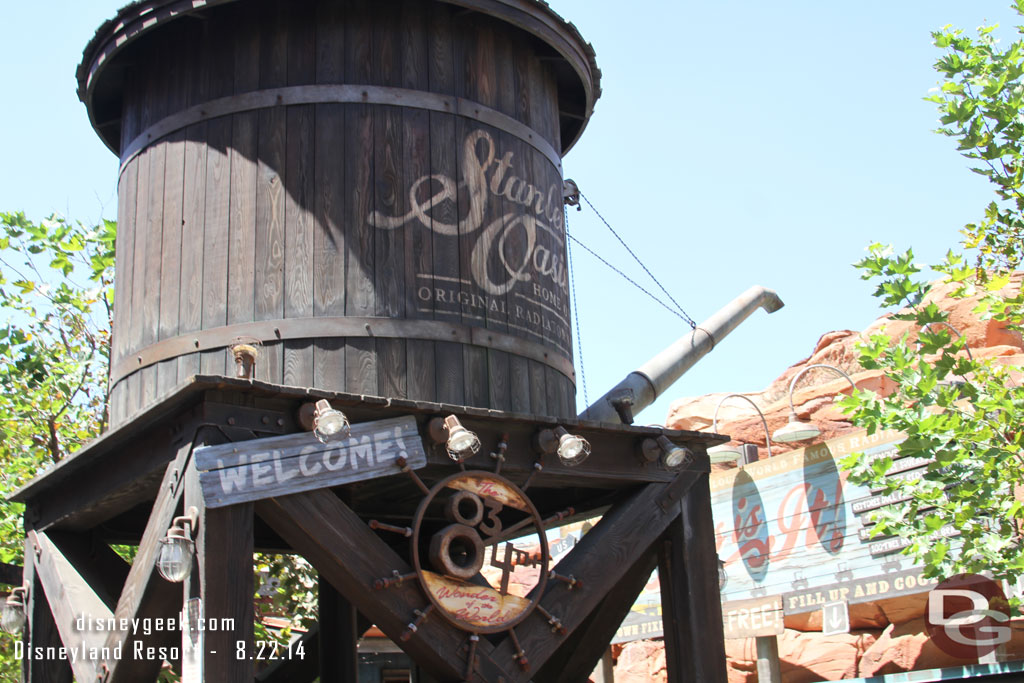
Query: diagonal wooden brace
[[351, 556], [599, 561], [145, 594], [72, 601], [579, 653]]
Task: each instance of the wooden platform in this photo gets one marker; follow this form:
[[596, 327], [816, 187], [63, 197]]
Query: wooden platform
[[128, 485]]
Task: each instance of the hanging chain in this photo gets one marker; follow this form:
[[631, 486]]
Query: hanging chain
[[576, 311], [690, 321]]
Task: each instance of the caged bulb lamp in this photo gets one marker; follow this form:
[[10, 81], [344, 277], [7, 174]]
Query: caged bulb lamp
[[661, 448], [797, 429], [329, 424], [174, 559], [572, 449], [12, 615], [461, 443], [725, 452]]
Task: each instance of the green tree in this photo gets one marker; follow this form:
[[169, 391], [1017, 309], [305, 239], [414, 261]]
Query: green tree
[[965, 513], [56, 291]]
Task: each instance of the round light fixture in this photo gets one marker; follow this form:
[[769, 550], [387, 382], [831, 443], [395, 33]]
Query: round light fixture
[[672, 456], [572, 449], [724, 453], [329, 425], [12, 614], [462, 444], [174, 558], [796, 430]]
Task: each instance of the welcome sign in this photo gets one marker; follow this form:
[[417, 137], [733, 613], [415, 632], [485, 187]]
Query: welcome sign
[[280, 465]]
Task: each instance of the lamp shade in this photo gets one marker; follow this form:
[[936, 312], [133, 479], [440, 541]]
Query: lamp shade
[[724, 453], [796, 430]]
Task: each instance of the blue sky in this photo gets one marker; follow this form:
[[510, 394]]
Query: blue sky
[[736, 143]]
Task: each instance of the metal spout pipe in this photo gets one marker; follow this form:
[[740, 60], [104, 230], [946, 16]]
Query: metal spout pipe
[[641, 387]]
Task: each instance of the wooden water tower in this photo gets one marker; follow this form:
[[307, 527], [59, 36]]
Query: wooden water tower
[[369, 193], [372, 190]]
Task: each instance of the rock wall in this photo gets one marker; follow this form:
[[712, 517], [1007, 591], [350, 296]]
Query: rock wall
[[888, 636]]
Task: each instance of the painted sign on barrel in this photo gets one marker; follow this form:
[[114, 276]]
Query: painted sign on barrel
[[792, 525]]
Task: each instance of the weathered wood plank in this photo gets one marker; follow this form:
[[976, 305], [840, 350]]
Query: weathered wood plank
[[242, 227], [216, 238], [190, 312], [220, 65], [124, 266], [102, 569], [360, 355], [224, 550], [392, 370], [244, 173], [361, 366], [282, 465], [145, 595], [699, 574], [270, 193], [499, 381], [753, 618], [329, 244], [124, 259], [170, 255], [599, 561], [538, 389], [576, 658], [416, 157], [349, 555], [41, 631], [70, 598], [519, 384], [475, 377], [421, 370], [389, 199], [141, 244], [299, 194], [337, 626]]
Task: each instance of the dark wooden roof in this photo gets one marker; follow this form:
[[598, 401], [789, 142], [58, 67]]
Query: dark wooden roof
[[357, 407], [101, 72]]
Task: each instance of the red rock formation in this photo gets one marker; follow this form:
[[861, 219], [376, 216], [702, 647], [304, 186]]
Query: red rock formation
[[893, 638]]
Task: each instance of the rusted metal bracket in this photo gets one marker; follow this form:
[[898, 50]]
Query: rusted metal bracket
[[250, 419]]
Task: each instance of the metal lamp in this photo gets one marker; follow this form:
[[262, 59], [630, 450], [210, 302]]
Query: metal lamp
[[797, 429], [329, 424], [725, 452], [572, 449], [461, 443], [12, 615], [672, 456], [174, 559]]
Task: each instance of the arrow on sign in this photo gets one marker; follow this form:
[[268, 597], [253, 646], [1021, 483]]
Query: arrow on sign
[[835, 618]]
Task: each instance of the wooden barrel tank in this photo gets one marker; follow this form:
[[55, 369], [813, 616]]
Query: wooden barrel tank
[[372, 190]]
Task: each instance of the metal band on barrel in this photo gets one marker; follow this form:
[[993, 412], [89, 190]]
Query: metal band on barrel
[[338, 94], [269, 331]]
